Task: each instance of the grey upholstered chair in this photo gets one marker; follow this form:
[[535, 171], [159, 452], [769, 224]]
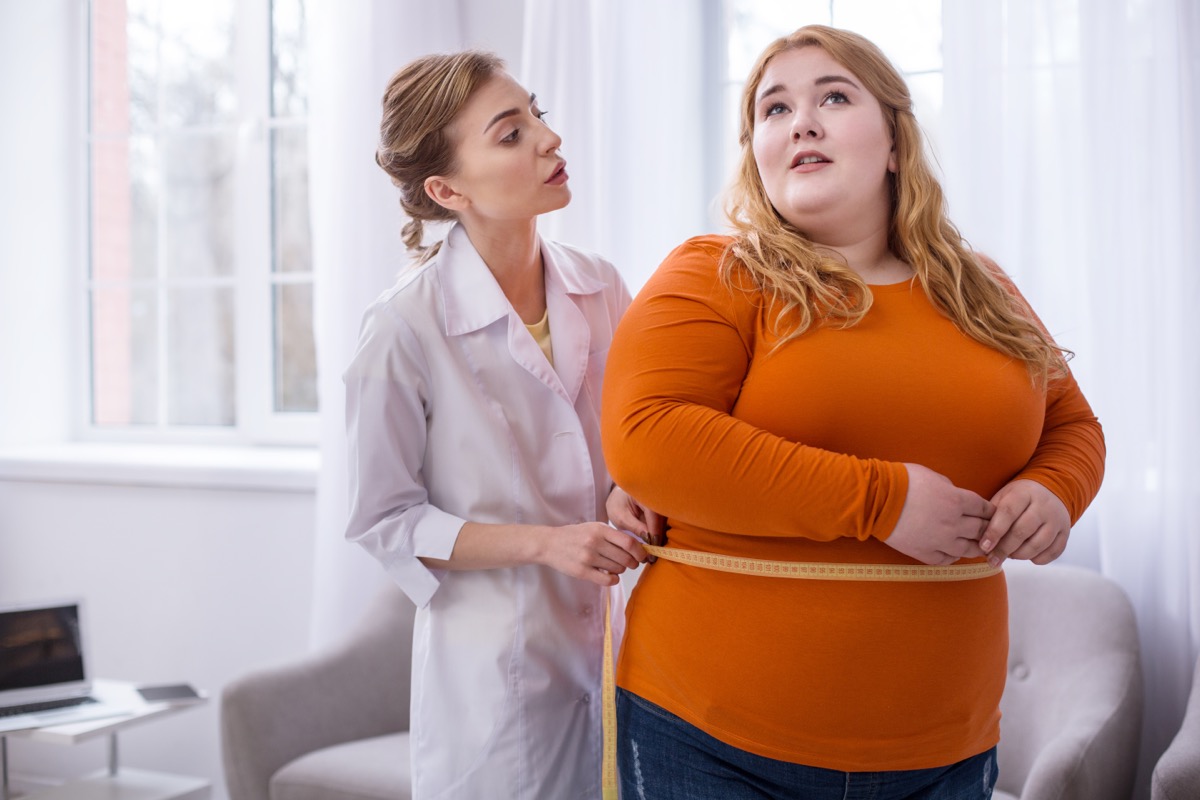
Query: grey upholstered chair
[[1177, 774], [1072, 707], [331, 727]]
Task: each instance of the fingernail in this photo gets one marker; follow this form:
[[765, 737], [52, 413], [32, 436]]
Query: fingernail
[[995, 562], [986, 545]]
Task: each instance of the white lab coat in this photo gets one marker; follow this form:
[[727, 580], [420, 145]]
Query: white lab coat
[[455, 415]]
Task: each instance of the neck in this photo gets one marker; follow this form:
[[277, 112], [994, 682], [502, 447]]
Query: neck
[[868, 255], [513, 253]]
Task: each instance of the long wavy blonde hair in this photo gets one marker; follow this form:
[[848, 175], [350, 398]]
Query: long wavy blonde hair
[[809, 284]]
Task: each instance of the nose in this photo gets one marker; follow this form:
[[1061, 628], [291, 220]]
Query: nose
[[551, 141], [805, 126]]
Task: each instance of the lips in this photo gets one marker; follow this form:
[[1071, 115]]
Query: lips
[[559, 176], [809, 158]]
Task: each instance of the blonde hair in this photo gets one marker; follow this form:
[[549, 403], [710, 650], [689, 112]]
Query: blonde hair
[[420, 102], [810, 284]]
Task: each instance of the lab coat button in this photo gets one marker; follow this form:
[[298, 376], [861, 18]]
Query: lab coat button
[[587, 698], [586, 611]]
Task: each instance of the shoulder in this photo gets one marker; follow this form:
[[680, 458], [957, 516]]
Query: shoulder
[[996, 273], [580, 264], [695, 265], [394, 320], [709, 248]]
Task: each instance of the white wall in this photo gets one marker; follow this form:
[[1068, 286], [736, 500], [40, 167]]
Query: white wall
[[199, 585]]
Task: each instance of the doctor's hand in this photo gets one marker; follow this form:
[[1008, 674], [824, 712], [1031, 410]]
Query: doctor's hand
[[1030, 524], [591, 551], [940, 523], [628, 514]]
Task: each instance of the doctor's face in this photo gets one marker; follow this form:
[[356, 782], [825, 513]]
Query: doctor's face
[[508, 165]]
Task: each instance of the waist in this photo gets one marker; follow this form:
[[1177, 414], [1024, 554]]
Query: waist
[[813, 671]]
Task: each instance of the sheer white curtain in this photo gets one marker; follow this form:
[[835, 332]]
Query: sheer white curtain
[[625, 83], [355, 47], [1072, 155]]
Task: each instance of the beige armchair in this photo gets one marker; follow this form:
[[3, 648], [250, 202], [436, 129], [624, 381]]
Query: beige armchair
[[1177, 774], [331, 727], [1072, 707]]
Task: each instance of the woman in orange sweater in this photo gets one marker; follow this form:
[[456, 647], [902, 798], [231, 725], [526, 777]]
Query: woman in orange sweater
[[841, 380]]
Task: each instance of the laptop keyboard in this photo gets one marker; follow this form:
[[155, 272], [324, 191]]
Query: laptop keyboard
[[49, 705]]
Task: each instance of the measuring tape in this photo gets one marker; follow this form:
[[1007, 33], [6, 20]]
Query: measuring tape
[[804, 570]]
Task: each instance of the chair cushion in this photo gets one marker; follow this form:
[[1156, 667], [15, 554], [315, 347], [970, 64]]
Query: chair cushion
[[368, 769]]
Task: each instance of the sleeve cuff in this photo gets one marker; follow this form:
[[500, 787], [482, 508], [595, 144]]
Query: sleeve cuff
[[433, 536]]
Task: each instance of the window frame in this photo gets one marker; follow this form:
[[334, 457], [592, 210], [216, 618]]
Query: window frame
[[253, 280]]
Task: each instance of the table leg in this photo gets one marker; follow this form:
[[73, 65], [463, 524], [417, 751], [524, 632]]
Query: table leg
[[112, 754], [4, 767]]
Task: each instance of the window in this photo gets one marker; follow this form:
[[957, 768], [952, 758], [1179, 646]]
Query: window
[[200, 285], [909, 33]]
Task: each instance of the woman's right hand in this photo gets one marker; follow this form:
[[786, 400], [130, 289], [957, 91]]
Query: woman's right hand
[[940, 523], [591, 551]]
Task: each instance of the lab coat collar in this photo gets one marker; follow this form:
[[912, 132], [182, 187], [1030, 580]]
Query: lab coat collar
[[472, 298]]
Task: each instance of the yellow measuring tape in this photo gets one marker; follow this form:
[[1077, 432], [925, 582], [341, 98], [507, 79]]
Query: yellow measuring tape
[[805, 570]]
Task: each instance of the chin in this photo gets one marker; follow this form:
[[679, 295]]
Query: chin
[[560, 202]]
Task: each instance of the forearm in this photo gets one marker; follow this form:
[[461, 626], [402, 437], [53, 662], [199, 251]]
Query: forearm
[[706, 467], [1069, 459], [485, 546]]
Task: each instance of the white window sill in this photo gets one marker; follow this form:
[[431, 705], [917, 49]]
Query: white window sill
[[277, 469]]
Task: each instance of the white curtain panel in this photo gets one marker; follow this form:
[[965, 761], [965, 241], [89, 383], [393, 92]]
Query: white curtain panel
[[1072, 154], [624, 83], [355, 47]]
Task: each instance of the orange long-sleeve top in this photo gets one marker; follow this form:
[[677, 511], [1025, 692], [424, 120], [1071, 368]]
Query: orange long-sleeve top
[[796, 453]]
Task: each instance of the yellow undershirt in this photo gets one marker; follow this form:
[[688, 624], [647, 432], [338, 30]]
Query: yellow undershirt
[[540, 331]]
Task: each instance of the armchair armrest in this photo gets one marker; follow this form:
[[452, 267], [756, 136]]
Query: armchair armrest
[[355, 690], [1177, 774]]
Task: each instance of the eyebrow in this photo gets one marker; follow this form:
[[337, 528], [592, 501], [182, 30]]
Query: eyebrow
[[509, 113], [821, 81]]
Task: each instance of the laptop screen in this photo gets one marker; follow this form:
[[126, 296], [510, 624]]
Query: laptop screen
[[40, 647]]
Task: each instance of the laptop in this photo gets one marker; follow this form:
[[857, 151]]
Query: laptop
[[44, 677]]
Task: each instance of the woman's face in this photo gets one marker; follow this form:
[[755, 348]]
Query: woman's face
[[508, 166], [822, 147]]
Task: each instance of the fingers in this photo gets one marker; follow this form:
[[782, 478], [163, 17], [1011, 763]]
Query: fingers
[[626, 516], [976, 506], [656, 525], [1030, 523], [625, 549], [600, 577], [1009, 508]]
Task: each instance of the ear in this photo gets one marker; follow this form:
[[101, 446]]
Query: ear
[[893, 167], [444, 194]]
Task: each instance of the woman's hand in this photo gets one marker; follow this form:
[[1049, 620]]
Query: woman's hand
[[630, 515], [1030, 524], [591, 551], [940, 523]]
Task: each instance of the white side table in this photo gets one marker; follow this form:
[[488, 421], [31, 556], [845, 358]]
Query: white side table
[[114, 783]]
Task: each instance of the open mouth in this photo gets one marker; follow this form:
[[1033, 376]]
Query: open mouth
[[809, 157], [559, 175]]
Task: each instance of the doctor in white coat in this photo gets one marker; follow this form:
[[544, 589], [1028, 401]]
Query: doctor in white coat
[[477, 478]]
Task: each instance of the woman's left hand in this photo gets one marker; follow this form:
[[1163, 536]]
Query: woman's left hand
[[628, 514], [1030, 523]]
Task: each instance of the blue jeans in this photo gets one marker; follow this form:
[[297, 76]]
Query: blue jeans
[[662, 757]]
